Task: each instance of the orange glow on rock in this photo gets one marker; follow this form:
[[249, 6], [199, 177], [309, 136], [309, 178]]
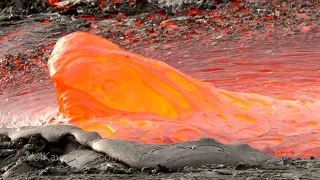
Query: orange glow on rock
[[167, 23], [138, 22], [52, 2], [46, 21], [194, 12], [123, 95]]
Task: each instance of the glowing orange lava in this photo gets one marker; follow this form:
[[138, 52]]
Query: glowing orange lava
[[52, 2], [123, 95]]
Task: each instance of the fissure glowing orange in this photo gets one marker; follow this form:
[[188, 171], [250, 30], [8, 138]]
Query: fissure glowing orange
[[124, 95]]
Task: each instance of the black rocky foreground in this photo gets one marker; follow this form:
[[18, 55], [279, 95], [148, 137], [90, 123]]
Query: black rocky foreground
[[29, 30], [63, 151]]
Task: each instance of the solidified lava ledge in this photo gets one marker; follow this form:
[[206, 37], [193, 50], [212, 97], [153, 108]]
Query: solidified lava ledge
[[180, 103]]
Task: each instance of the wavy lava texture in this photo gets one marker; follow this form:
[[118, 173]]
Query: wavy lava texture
[[123, 95]]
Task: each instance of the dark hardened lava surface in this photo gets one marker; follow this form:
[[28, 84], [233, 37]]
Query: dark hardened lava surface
[[35, 158], [29, 29]]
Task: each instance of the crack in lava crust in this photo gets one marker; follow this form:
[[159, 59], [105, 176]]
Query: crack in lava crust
[[123, 95]]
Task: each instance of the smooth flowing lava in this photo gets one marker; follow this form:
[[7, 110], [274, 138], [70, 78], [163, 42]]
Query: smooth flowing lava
[[123, 95]]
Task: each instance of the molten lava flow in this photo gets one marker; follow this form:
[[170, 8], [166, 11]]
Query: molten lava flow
[[124, 95]]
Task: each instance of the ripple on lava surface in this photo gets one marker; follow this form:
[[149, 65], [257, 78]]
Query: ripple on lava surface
[[283, 69]]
